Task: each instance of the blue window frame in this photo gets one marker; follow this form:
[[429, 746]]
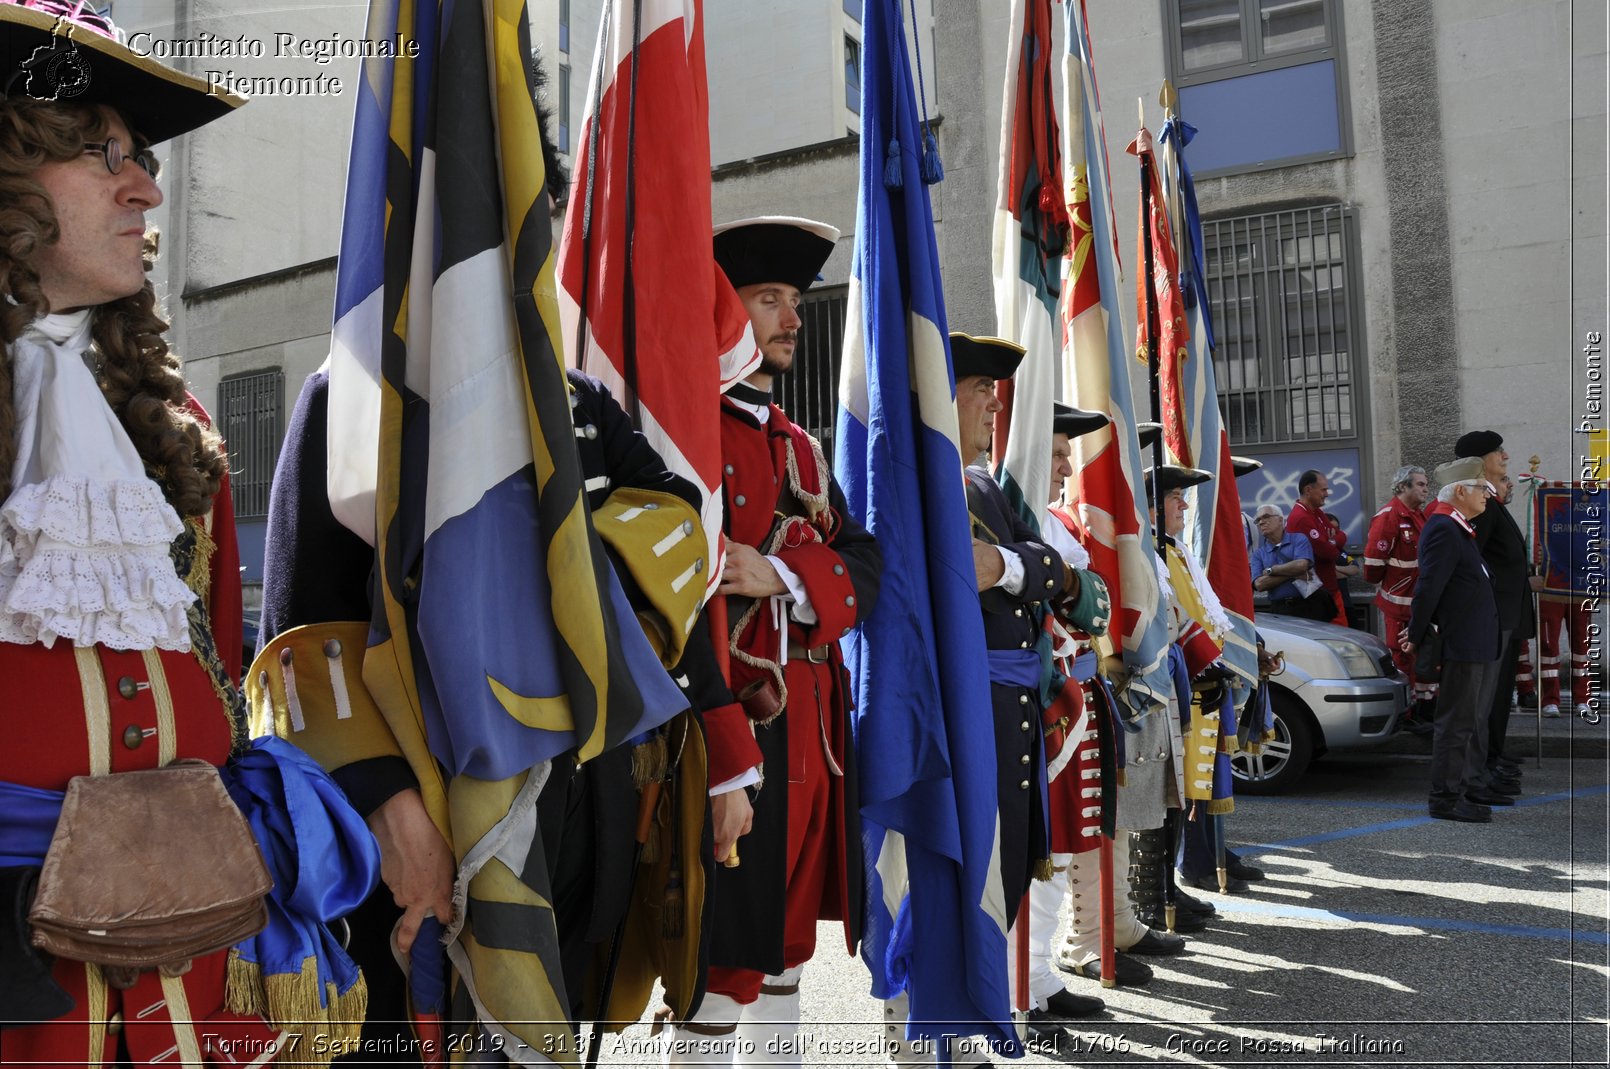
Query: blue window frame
[[1263, 81]]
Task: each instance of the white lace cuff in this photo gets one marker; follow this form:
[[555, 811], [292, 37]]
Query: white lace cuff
[[87, 560]]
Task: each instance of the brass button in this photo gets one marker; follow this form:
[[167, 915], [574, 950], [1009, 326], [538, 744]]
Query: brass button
[[1023, 760], [1023, 786], [838, 569], [590, 431], [850, 601], [687, 527], [1023, 645], [114, 1024], [1049, 583], [740, 501], [1023, 699], [728, 469], [1024, 725], [1046, 560], [650, 506], [1017, 612], [262, 680], [285, 657], [133, 736], [332, 648], [698, 566], [127, 687]]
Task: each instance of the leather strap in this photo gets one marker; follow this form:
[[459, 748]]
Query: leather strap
[[779, 989], [814, 654]]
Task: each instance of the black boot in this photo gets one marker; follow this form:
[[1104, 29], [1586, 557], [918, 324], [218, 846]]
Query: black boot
[[1148, 866]]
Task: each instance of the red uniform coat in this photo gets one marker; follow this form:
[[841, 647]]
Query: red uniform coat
[[1391, 557], [1325, 534], [801, 861], [68, 712]]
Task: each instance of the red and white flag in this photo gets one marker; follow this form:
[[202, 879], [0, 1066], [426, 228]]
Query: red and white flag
[[643, 305]]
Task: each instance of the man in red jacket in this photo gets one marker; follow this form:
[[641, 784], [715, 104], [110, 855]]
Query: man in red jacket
[[1391, 560], [800, 573], [1323, 531]]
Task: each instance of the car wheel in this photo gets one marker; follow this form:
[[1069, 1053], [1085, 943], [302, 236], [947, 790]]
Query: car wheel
[[1284, 758]]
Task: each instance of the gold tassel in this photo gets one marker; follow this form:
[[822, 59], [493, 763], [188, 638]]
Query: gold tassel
[[243, 987], [671, 916], [1220, 806], [649, 762], [1043, 869], [293, 999]]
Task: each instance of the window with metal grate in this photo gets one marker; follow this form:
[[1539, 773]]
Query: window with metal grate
[[251, 419]]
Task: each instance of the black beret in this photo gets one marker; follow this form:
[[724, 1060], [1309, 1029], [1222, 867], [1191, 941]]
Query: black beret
[[1073, 422], [994, 358], [774, 248], [1478, 444]]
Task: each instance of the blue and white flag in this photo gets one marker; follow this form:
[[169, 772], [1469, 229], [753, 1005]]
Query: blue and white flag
[[918, 665]]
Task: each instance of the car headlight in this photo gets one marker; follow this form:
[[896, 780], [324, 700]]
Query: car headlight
[[1356, 660]]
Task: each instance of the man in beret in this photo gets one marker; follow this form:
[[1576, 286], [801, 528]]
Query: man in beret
[[800, 573], [1455, 595], [1503, 547]]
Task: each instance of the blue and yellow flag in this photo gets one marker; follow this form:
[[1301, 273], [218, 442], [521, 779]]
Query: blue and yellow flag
[[501, 636]]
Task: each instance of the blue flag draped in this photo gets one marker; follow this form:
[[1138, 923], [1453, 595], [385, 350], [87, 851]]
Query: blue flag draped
[[923, 731]]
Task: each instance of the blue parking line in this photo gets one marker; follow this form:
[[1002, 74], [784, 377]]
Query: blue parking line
[[1411, 822], [1524, 931]]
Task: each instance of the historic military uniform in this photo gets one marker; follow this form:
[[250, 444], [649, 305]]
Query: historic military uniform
[[315, 627], [801, 861]]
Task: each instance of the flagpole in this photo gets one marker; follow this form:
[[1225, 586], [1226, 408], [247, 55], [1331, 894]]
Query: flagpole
[[1171, 828]]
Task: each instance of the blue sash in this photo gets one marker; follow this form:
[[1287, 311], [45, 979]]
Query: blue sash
[[322, 858], [1014, 668]]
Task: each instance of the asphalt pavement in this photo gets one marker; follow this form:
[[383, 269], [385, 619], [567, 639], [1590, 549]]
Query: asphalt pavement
[[1381, 936]]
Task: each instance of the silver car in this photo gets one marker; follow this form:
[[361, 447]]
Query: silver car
[[1339, 690]]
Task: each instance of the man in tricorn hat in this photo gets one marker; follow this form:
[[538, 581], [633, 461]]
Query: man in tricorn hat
[[1503, 547], [800, 573], [121, 590], [1016, 572]]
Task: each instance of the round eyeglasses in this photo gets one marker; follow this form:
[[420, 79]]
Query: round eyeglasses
[[111, 151]]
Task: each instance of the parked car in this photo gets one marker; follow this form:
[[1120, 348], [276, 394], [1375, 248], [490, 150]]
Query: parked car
[[1339, 691]]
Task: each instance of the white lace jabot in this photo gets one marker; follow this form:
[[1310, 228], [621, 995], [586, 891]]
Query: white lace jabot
[[84, 535]]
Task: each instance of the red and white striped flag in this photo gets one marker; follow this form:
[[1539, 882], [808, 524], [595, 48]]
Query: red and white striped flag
[[643, 305]]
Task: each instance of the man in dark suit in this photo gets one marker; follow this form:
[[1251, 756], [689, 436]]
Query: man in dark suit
[[1455, 594], [1503, 548]]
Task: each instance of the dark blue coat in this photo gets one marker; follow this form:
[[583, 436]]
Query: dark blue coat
[[1455, 593], [1012, 622]]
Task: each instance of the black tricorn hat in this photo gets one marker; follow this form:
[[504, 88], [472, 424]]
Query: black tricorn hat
[[774, 248], [994, 358], [1149, 434], [1478, 444], [1160, 482], [1244, 465], [79, 58], [1073, 422]]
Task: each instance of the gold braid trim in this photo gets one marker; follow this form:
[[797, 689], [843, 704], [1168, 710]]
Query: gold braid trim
[[200, 577], [1220, 806]]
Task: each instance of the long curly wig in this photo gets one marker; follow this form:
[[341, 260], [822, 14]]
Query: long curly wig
[[138, 375]]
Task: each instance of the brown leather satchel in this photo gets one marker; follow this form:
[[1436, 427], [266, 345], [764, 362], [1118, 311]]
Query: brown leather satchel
[[148, 870]]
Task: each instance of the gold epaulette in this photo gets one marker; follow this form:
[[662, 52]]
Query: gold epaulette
[[659, 538]]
